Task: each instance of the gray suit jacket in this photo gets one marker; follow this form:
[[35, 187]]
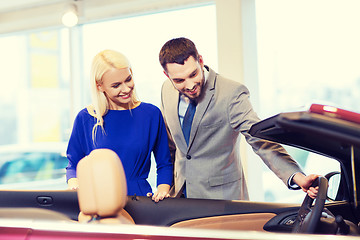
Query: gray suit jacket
[[211, 164]]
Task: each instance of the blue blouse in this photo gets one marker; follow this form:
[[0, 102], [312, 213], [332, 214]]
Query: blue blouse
[[133, 135]]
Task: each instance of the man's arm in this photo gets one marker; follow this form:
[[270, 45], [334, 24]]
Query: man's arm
[[242, 116]]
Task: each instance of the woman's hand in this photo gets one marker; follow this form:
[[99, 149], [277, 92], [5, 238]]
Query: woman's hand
[[161, 193], [73, 184]]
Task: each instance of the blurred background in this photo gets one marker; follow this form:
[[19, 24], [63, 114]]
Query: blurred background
[[288, 53]]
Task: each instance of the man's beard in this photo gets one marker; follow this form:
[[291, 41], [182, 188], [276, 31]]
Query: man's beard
[[200, 91]]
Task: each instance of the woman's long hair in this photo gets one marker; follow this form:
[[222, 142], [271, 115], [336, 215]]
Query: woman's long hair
[[102, 62]]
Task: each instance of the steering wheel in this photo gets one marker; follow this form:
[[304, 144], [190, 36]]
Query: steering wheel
[[308, 217]]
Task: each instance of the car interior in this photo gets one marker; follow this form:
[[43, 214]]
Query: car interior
[[113, 206], [101, 197]]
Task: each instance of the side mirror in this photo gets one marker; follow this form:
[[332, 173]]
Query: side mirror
[[334, 182]]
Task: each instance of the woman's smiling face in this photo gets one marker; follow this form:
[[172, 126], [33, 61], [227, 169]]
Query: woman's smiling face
[[118, 86]]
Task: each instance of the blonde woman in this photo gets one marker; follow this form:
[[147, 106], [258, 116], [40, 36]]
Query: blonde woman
[[117, 120]]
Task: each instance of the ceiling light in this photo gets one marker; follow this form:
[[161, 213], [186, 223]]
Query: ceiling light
[[70, 17]]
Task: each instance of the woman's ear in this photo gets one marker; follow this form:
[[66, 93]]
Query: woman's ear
[[99, 87]]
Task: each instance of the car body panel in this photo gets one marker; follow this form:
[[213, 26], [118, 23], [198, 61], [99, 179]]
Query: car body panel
[[35, 230]]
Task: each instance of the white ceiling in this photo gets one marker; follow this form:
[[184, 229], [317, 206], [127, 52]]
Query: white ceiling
[[16, 5], [23, 15]]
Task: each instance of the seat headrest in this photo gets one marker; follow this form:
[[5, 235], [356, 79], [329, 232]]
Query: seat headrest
[[102, 183]]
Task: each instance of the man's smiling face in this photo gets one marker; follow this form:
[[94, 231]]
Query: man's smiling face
[[187, 78]]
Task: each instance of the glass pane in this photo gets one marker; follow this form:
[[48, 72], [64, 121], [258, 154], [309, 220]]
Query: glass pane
[[307, 55], [276, 191], [37, 104], [13, 47], [142, 44]]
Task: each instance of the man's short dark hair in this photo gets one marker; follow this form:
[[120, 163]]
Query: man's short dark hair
[[177, 50]]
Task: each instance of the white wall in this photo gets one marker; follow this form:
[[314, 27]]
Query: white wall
[[237, 59]]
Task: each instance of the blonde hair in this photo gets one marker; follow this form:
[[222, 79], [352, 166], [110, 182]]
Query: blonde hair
[[103, 62]]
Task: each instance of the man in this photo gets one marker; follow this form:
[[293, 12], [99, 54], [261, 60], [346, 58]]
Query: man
[[207, 158]]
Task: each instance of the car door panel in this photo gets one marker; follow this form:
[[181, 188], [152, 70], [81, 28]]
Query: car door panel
[[61, 201], [175, 210], [180, 212]]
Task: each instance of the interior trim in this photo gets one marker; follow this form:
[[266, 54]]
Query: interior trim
[[250, 222]]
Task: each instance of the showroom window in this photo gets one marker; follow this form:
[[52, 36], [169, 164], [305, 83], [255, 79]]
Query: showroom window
[[35, 100], [142, 45], [46, 79], [308, 52], [140, 38], [302, 58]]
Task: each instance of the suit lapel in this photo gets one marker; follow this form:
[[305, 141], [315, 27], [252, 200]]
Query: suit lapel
[[174, 122], [204, 101]]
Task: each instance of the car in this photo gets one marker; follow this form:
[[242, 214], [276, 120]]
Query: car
[[335, 213], [33, 166]]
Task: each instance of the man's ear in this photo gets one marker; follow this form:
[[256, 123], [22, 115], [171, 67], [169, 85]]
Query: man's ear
[[201, 61]]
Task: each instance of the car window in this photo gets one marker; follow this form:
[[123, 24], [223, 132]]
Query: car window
[[311, 163], [320, 164], [324, 165]]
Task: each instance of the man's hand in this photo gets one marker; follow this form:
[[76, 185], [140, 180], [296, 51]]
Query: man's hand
[[305, 183], [161, 193]]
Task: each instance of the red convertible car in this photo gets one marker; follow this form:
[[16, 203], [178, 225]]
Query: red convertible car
[[99, 210]]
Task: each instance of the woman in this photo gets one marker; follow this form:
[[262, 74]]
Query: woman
[[118, 121]]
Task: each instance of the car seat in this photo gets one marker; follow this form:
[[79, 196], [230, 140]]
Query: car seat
[[102, 191]]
